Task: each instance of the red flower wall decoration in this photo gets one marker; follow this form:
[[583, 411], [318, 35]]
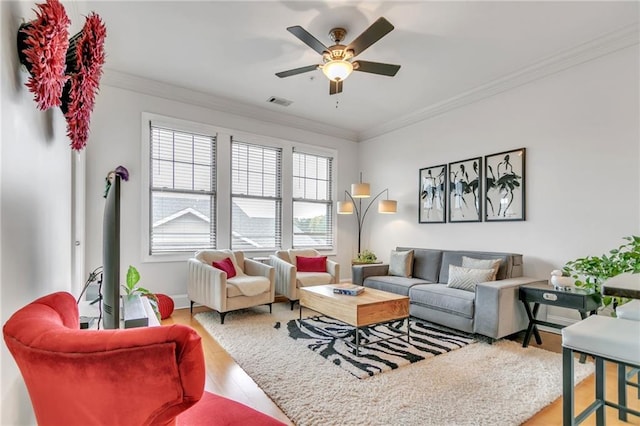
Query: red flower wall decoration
[[42, 46], [86, 60]]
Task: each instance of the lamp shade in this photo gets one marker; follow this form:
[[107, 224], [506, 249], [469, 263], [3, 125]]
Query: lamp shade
[[360, 190], [388, 206], [345, 207], [337, 70]]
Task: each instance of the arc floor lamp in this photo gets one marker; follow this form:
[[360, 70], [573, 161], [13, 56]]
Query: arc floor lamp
[[363, 190]]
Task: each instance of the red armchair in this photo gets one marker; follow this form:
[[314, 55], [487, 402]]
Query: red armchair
[[139, 376]]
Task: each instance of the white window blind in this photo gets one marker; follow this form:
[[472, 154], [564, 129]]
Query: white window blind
[[256, 201], [182, 191], [312, 201]]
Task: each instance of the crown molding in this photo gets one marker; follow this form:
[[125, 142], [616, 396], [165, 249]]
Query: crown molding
[[609, 43], [159, 89]]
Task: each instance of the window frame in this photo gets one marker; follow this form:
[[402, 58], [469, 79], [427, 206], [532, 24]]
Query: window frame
[[223, 183], [277, 198], [329, 203]]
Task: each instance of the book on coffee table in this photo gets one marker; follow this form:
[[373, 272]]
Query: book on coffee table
[[348, 289]]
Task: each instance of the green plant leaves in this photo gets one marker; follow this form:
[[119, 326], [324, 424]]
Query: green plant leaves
[[595, 270]]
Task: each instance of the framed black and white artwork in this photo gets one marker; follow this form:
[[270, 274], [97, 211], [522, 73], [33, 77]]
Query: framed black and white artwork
[[465, 178], [505, 186], [432, 199]]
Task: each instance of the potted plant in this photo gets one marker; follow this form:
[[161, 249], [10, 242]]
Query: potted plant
[[592, 271], [131, 288], [367, 256]]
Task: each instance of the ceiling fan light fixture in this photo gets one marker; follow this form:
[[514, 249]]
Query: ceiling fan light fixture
[[337, 70]]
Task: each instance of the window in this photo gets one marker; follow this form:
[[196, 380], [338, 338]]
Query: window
[[256, 201], [182, 191], [312, 201]]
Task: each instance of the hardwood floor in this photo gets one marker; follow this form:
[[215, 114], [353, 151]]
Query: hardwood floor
[[226, 378]]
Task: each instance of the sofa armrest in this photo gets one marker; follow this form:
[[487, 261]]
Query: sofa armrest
[[361, 272], [333, 268], [498, 310], [285, 277], [207, 285], [255, 268]]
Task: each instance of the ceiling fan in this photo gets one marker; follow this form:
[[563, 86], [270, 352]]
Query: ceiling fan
[[337, 60]]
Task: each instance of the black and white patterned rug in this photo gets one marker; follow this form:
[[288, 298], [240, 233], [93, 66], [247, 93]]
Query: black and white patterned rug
[[335, 341]]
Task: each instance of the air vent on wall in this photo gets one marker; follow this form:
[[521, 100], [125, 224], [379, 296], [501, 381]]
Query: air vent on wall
[[279, 101]]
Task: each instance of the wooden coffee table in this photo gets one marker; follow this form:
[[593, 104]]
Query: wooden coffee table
[[371, 307]]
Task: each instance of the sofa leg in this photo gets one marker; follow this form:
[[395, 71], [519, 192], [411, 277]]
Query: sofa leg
[[191, 308], [222, 315], [270, 307], [293, 302]]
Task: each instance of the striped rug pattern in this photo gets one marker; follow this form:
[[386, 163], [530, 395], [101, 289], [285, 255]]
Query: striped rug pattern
[[335, 341]]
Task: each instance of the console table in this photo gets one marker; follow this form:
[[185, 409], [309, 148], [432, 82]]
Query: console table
[[583, 301]]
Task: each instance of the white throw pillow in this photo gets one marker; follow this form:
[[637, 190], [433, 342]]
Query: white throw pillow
[[469, 262], [467, 278], [401, 263]]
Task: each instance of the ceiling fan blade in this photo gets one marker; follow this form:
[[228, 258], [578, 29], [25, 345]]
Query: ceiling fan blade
[[375, 32], [307, 39], [376, 68], [295, 71], [335, 87]]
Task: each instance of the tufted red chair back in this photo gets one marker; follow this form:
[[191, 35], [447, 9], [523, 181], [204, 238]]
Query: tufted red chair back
[[140, 376]]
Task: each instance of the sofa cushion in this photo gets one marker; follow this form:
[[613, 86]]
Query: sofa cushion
[[470, 262], [209, 256], [426, 264], [455, 258], [293, 253], [467, 278], [443, 298], [305, 279], [247, 285], [392, 284]]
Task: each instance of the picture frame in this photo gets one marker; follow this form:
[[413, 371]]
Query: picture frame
[[432, 195], [465, 190], [505, 186]]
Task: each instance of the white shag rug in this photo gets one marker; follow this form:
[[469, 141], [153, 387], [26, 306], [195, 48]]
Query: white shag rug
[[479, 384]]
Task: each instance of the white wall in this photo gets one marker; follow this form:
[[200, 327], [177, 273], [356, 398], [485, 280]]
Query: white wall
[[581, 131], [35, 201], [116, 140]]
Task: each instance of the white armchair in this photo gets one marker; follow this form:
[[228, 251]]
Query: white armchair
[[253, 284], [289, 280]]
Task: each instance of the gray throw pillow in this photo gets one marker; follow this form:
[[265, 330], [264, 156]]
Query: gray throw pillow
[[467, 278], [401, 263], [469, 262]]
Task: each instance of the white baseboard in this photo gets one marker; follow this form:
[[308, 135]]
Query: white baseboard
[[181, 301]]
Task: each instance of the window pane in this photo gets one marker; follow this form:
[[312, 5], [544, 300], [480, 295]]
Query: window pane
[[255, 204], [255, 224], [312, 224], [312, 212], [182, 196], [181, 222]]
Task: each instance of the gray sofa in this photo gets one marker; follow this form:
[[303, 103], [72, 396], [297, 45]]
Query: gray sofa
[[493, 310]]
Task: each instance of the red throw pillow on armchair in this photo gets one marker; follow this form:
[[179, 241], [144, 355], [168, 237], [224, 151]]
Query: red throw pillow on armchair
[[225, 265], [311, 264]]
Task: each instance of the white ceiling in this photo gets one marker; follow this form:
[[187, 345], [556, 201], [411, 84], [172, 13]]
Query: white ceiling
[[447, 49]]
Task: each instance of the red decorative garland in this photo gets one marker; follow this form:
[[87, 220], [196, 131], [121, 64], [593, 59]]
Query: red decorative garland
[[86, 60], [45, 42]]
